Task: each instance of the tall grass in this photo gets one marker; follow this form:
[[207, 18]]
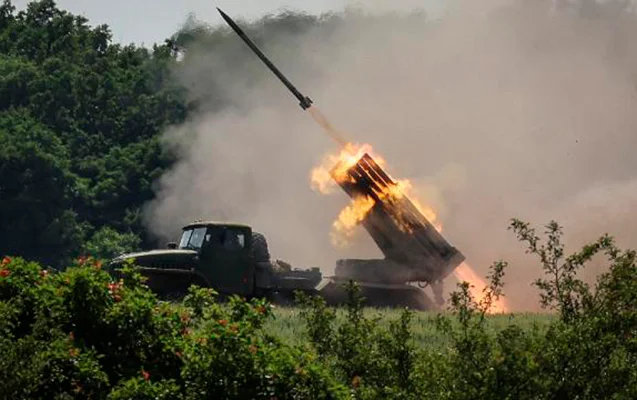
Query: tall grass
[[288, 325]]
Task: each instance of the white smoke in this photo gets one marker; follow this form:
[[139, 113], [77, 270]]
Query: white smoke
[[499, 110]]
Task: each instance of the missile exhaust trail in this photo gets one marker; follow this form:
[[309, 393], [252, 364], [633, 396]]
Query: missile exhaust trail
[[304, 101]]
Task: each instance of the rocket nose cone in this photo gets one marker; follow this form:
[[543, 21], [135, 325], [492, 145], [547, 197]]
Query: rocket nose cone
[[228, 19], [224, 15]]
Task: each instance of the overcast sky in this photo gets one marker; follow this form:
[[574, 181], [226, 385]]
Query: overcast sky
[[147, 22]]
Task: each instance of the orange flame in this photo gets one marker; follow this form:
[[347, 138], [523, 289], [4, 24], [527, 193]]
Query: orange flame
[[404, 189], [323, 181], [337, 164], [321, 176], [349, 218], [465, 273]]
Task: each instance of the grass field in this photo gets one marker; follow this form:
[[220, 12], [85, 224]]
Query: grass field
[[289, 326]]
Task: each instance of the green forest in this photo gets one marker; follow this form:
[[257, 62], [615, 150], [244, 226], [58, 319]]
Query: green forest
[[79, 118]]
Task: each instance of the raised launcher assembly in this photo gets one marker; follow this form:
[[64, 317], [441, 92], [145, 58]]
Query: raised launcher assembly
[[415, 252]]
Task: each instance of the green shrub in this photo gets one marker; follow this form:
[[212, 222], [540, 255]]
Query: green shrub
[[107, 243], [589, 352], [592, 350], [83, 333], [141, 388], [373, 362]]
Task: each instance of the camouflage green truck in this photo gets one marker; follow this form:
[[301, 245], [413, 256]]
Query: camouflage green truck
[[228, 257], [234, 260]]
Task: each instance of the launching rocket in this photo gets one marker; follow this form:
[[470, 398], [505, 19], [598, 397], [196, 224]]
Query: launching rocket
[[304, 101]]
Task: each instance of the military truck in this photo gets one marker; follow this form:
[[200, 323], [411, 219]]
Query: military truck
[[229, 257], [233, 259]]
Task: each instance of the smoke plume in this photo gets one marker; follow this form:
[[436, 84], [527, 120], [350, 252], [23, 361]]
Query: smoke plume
[[497, 110]]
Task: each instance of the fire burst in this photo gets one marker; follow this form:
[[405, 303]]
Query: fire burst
[[324, 179], [343, 160], [349, 218], [464, 273], [333, 170]]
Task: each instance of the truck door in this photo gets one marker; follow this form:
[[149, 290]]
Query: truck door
[[226, 260]]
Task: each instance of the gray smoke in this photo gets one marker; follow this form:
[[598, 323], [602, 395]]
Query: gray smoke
[[498, 110]]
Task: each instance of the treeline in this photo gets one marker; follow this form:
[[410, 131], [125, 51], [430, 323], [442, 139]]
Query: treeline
[[79, 123], [81, 334]]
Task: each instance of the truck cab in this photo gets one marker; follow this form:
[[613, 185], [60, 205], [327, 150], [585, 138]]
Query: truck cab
[[228, 257], [224, 253], [209, 254]]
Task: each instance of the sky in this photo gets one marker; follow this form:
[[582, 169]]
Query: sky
[[139, 22]]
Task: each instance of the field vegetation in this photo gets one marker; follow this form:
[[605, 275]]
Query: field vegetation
[[287, 323], [83, 333]]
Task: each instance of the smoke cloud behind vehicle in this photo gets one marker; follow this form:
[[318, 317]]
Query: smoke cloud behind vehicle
[[497, 110]]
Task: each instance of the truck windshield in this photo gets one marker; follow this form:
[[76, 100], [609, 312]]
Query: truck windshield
[[192, 238]]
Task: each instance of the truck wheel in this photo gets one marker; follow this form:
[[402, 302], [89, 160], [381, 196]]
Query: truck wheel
[[260, 248]]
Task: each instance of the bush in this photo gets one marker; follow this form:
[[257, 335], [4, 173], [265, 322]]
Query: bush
[[107, 243], [588, 353], [592, 350], [82, 334]]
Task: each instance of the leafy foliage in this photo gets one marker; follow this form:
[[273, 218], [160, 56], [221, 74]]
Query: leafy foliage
[[85, 333], [589, 352], [107, 243], [79, 121], [586, 353]]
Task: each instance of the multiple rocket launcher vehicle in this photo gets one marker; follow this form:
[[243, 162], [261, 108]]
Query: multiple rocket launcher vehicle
[[416, 254]]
